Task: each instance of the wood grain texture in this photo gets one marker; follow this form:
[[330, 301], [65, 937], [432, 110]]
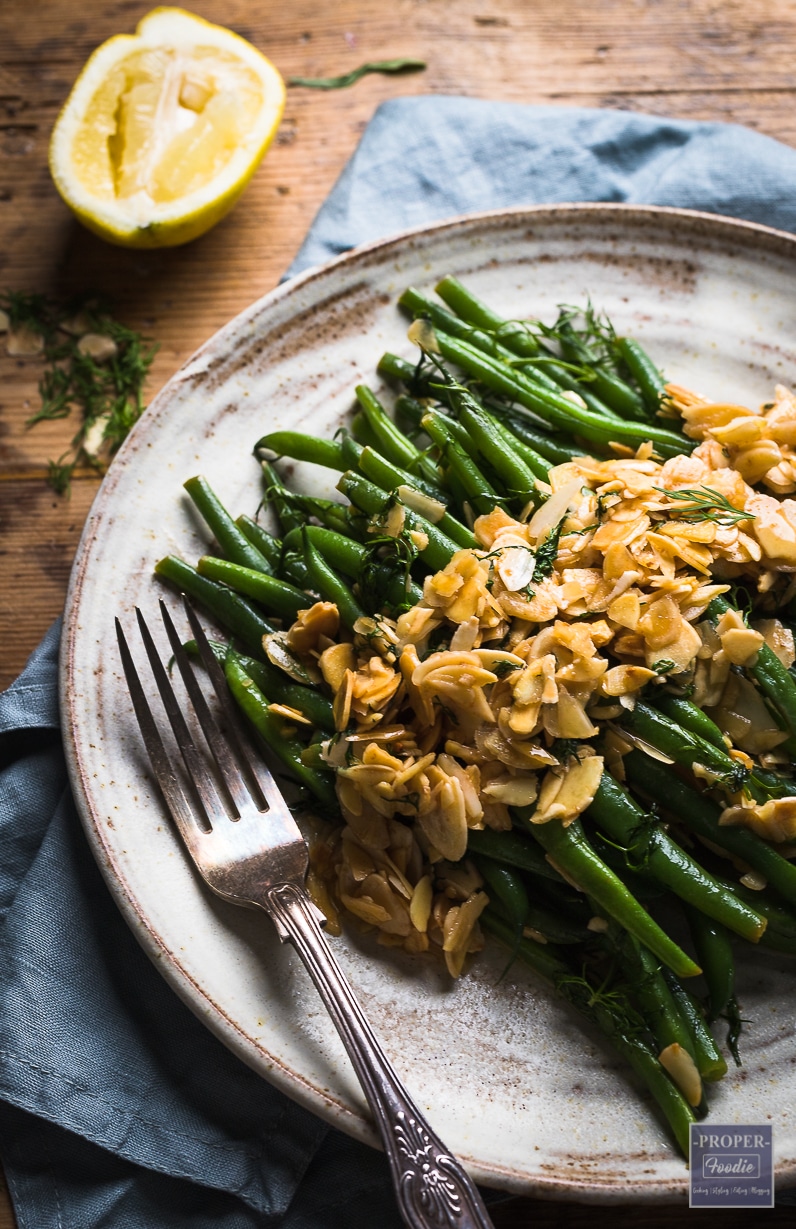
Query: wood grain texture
[[696, 59]]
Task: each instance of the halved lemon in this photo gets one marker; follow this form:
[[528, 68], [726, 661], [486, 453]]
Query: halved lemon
[[164, 129]]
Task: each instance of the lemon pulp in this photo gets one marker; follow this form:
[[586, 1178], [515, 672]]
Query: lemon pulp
[[164, 124]]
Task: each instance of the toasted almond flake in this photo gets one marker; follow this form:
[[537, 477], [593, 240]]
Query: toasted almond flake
[[683, 1070], [97, 346], [420, 904], [565, 796], [394, 523], [341, 706], [335, 662], [292, 714], [421, 333], [515, 567], [22, 341], [366, 909]]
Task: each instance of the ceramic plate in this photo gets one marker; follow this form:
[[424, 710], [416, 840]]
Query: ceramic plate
[[529, 1100]]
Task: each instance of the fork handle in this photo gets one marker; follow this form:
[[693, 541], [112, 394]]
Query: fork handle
[[432, 1188]]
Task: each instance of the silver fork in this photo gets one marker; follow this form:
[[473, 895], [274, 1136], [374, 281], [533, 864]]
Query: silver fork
[[250, 851]]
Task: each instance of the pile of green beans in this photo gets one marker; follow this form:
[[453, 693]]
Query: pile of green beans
[[619, 910]]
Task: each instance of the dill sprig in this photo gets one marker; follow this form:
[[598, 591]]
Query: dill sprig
[[547, 553], [108, 393], [707, 505], [386, 560]]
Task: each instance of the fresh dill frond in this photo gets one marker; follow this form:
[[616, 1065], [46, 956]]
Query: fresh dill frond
[[107, 393], [706, 505], [502, 668], [547, 553], [29, 311], [386, 560]]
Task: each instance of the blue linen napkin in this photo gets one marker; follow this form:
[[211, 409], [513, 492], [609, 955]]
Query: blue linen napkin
[[117, 1107]]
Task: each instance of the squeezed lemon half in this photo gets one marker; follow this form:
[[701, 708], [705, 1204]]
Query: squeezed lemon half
[[163, 130]]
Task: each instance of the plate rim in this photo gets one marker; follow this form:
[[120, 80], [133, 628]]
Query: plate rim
[[211, 1013]]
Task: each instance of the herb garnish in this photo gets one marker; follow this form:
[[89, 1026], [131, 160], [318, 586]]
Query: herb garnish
[[103, 380], [709, 505], [346, 79], [547, 553]]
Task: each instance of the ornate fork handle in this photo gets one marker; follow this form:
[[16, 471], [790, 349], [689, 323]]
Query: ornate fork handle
[[432, 1188]]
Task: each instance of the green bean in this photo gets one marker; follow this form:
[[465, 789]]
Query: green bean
[[536, 459], [479, 493], [369, 499], [613, 810], [650, 990], [362, 431], [411, 409], [571, 853], [512, 848], [341, 553], [612, 390], [329, 584], [513, 333], [375, 466], [270, 726], [279, 688], [702, 816], [555, 408], [232, 611], [235, 545], [553, 447], [561, 375], [394, 368], [293, 568], [649, 379], [505, 888], [516, 476], [552, 375], [710, 1063], [420, 307], [538, 465], [350, 558], [393, 444], [277, 596], [781, 920], [300, 447], [690, 717], [268, 546], [279, 498], [379, 471], [690, 749], [714, 952]]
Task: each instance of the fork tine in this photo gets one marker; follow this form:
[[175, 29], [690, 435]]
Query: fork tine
[[200, 777], [266, 784], [228, 768], [181, 810]]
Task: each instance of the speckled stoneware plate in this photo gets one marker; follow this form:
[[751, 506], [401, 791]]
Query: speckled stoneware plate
[[509, 1078]]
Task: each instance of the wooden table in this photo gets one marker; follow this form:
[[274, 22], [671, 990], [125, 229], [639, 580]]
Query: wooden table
[[708, 59]]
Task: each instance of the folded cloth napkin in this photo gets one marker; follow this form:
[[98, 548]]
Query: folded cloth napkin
[[117, 1107]]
